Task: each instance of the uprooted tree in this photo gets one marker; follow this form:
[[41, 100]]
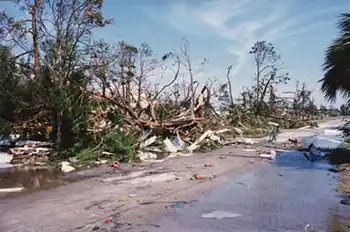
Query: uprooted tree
[[93, 98], [55, 41], [94, 95]]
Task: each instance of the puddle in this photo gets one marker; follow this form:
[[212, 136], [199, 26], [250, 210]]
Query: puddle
[[325, 141], [286, 196], [31, 179], [298, 161], [182, 204]]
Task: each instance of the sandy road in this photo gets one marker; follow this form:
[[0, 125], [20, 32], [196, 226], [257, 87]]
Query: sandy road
[[84, 205], [135, 198]]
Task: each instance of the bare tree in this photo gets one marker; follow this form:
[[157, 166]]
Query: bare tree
[[230, 84], [302, 100], [268, 70], [146, 64], [186, 61]]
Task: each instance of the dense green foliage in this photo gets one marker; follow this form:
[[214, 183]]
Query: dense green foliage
[[52, 91]]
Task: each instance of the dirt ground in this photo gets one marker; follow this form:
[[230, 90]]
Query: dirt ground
[[126, 198], [132, 195]]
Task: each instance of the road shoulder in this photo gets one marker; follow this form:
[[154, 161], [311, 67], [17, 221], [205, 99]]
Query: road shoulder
[[135, 198]]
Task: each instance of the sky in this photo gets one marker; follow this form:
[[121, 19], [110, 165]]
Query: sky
[[223, 31]]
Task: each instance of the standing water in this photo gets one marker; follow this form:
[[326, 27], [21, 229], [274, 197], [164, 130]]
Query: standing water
[[287, 196]]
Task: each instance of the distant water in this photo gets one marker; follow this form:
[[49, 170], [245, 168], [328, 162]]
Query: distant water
[[323, 141]]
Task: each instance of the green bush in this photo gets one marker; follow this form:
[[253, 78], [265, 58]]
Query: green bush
[[121, 144], [89, 154]]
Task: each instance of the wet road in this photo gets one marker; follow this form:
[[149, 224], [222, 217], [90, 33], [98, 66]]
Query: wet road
[[286, 196]]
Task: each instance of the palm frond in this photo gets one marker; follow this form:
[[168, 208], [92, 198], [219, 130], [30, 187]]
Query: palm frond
[[337, 63]]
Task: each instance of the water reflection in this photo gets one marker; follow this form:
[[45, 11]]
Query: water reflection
[[31, 178], [286, 196], [323, 141], [297, 160]]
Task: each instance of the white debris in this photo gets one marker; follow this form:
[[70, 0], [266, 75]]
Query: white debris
[[303, 128], [249, 149], [180, 154], [196, 145], [246, 141], [169, 146], [143, 155], [268, 156], [178, 142], [332, 132], [14, 137], [220, 214], [273, 152], [65, 167], [11, 190], [5, 158], [148, 142], [208, 134], [5, 166], [192, 147], [215, 138], [177, 147], [271, 155], [273, 124], [222, 131], [103, 161]]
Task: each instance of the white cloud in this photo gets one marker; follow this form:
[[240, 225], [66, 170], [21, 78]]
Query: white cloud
[[242, 22], [217, 13], [217, 16], [224, 18], [299, 24]]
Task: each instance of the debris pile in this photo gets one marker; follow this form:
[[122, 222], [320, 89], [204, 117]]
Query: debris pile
[[5, 160], [178, 147], [24, 152], [164, 127]]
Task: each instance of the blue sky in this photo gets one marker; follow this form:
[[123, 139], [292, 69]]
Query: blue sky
[[223, 31]]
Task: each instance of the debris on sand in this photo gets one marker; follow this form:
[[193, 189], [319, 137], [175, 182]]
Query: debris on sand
[[152, 148], [271, 155], [198, 177], [11, 190], [5, 160], [66, 167]]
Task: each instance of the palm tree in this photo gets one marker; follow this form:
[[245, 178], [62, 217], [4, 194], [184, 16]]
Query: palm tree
[[337, 63]]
